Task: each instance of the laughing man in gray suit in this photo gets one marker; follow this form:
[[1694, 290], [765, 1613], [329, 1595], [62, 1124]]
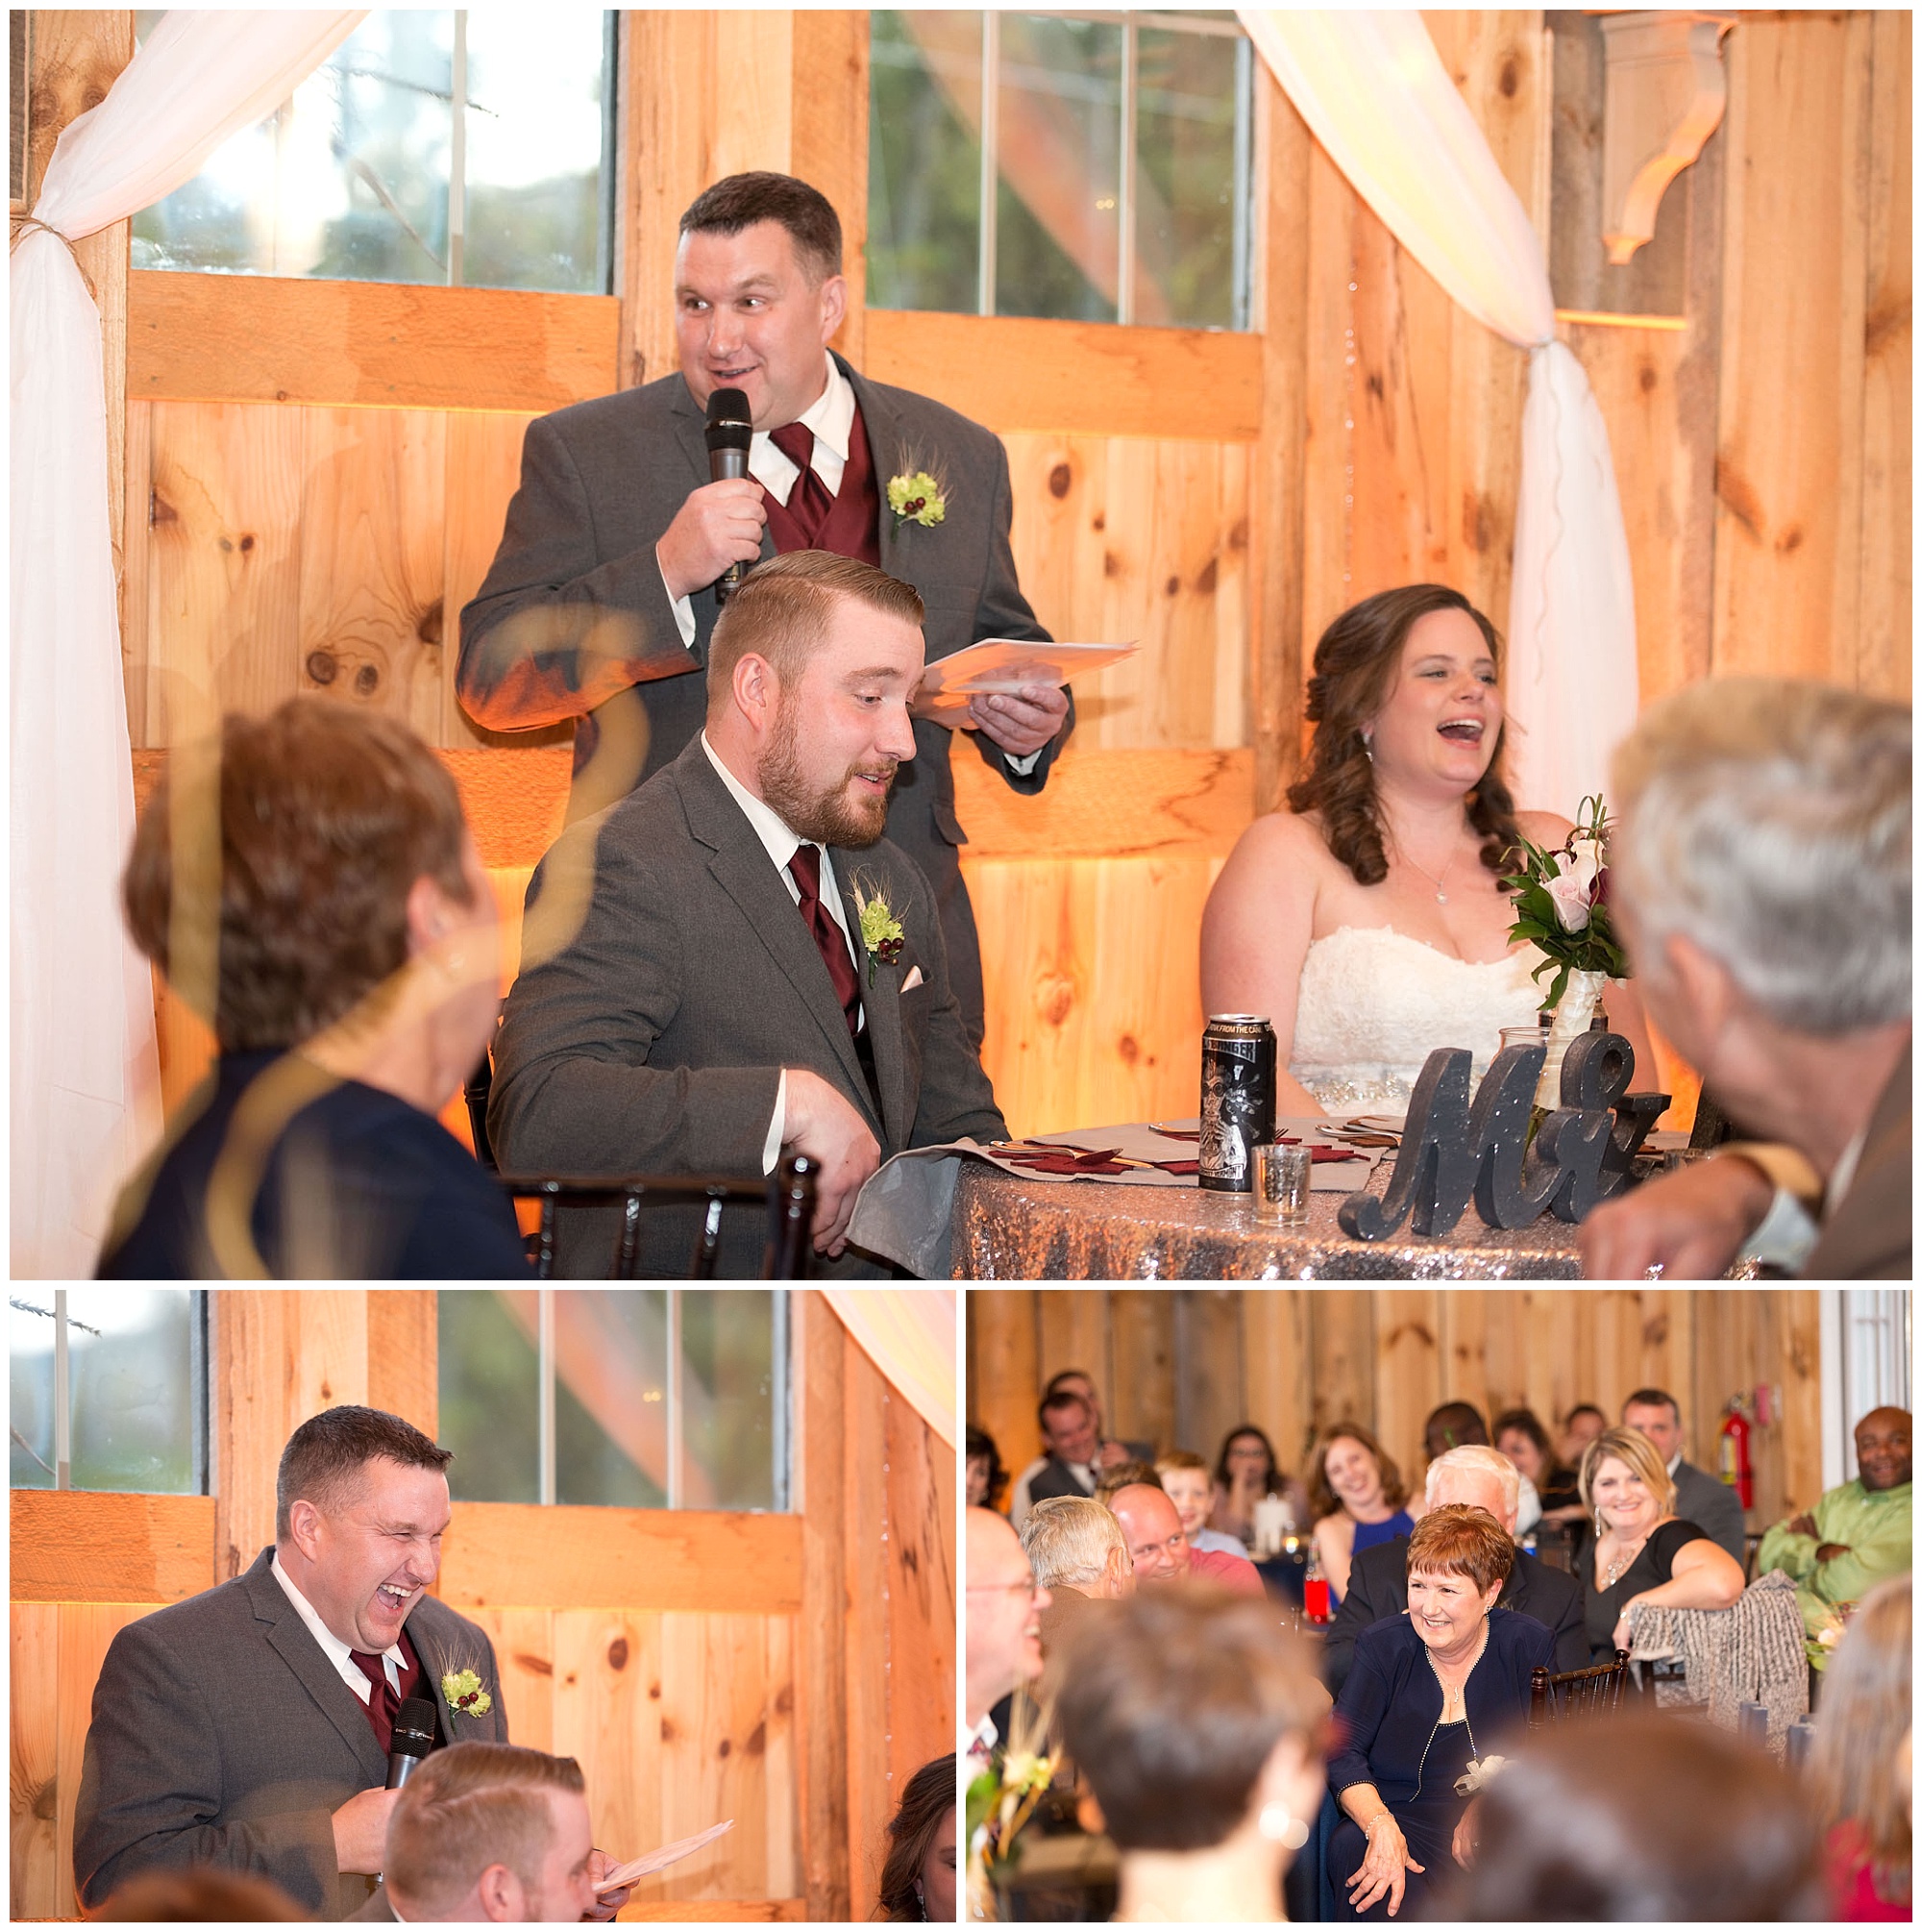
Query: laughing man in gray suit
[[599, 604], [699, 988], [244, 1728]]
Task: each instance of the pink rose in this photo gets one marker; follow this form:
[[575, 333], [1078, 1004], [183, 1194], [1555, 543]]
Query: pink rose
[[1570, 891]]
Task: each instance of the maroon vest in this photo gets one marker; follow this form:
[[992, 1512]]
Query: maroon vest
[[853, 527]]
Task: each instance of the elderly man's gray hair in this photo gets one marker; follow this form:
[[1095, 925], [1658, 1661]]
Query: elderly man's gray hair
[[1486, 1462], [1068, 1539], [1768, 819]]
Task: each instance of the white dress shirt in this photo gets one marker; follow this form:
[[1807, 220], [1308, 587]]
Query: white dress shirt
[[340, 1654], [781, 844], [831, 419]]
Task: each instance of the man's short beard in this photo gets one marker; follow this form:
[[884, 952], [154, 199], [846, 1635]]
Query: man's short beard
[[832, 816]]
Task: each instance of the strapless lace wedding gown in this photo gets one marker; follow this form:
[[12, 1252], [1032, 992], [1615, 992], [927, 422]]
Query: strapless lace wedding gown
[[1375, 1003]]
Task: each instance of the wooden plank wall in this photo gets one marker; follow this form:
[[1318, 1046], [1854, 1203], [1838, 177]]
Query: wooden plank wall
[[1219, 498], [1181, 1368], [790, 1672]]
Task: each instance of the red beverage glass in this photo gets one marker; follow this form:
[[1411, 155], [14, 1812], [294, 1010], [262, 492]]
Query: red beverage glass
[[1315, 1599]]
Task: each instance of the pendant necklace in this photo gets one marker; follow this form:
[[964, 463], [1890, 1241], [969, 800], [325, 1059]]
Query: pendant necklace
[[1474, 1750], [1622, 1564], [1440, 896]]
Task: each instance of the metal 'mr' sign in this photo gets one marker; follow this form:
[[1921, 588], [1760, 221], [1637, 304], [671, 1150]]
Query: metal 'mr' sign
[[1452, 1151]]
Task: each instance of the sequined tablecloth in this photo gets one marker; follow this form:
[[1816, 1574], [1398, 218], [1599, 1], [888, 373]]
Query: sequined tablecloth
[[1013, 1228]]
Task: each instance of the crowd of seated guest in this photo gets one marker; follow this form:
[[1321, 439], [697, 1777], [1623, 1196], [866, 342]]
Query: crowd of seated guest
[[1434, 1790]]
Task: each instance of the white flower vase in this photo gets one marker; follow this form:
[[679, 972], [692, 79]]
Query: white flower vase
[[1574, 1012]]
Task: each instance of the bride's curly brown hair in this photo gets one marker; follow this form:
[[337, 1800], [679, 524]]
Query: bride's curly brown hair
[[1355, 664]]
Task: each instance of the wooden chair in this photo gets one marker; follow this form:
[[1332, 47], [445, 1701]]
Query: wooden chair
[[1574, 1694], [787, 1196]]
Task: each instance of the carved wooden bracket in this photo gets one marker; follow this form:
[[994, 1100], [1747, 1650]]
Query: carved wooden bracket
[[1666, 90]]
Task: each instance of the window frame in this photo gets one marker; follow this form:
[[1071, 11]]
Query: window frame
[[1241, 294], [606, 224], [780, 1417], [201, 1422]]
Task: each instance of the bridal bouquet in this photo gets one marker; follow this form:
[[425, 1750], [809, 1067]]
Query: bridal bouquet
[[1562, 903]]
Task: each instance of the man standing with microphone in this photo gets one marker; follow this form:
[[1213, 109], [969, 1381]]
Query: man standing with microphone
[[602, 598], [265, 1725]]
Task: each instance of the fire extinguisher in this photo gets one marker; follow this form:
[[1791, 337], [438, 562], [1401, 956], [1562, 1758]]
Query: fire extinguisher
[[1737, 1470]]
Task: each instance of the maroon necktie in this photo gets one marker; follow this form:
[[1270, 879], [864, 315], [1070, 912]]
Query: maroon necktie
[[384, 1705], [805, 869], [808, 503]]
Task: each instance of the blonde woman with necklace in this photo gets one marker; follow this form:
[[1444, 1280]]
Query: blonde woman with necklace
[[1431, 1696], [1643, 1552]]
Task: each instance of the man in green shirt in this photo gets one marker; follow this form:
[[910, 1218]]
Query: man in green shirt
[[1857, 1535]]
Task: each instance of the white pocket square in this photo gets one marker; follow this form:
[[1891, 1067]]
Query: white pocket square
[[912, 980]]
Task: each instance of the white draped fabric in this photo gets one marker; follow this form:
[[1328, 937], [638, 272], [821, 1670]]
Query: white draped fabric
[[1375, 94], [908, 1334], [85, 1073]]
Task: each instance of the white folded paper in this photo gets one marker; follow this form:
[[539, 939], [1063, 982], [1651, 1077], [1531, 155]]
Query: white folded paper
[[657, 1861], [1002, 664]]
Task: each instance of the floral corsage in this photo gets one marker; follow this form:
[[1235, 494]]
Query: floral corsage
[[465, 1698], [1001, 1800], [1481, 1771], [881, 934], [917, 499]]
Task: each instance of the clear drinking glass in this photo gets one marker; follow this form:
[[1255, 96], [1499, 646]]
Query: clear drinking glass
[[1281, 1184]]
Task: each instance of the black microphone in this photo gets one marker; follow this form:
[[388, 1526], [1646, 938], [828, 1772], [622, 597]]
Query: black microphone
[[730, 430], [413, 1739]]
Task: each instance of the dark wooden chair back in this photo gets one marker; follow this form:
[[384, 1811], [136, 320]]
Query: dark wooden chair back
[[786, 1195], [1575, 1694]]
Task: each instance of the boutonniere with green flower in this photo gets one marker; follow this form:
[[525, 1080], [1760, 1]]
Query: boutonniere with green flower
[[917, 497], [881, 934], [465, 1698]]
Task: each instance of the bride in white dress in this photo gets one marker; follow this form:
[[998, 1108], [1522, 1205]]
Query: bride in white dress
[[1368, 922]]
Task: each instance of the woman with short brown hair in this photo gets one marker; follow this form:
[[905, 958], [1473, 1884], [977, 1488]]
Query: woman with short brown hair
[[307, 885], [1198, 1724], [1430, 1697]]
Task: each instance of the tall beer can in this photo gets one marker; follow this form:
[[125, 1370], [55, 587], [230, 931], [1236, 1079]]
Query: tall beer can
[[1236, 1099]]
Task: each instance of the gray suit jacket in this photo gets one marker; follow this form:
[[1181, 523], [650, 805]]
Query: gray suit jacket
[[222, 1735], [1710, 1505], [651, 1040], [1866, 1236], [573, 612], [377, 1911]]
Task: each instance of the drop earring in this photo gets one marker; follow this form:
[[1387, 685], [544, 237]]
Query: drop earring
[[1277, 1822]]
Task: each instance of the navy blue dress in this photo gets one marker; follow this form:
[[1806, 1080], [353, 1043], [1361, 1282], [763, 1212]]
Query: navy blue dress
[[358, 1185], [1393, 1737]]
